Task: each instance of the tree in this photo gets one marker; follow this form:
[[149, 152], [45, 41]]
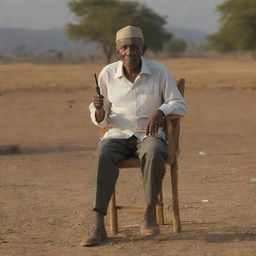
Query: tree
[[176, 46], [238, 26], [22, 53], [99, 20]]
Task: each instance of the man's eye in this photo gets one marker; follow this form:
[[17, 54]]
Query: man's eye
[[134, 48]]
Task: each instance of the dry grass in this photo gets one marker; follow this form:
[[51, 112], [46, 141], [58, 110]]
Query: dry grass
[[39, 77], [200, 73], [213, 73]]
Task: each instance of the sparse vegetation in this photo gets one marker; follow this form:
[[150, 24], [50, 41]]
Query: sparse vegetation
[[176, 46], [238, 27]]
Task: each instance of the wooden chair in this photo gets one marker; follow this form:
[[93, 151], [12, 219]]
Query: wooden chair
[[172, 128]]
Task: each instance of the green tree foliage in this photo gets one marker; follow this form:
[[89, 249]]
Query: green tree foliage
[[99, 20], [238, 26], [176, 46]]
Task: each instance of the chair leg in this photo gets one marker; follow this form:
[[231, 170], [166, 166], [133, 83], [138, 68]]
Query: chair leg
[[113, 215], [175, 198], [159, 209]]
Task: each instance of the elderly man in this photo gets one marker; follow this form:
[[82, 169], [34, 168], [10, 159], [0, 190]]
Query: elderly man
[[136, 94]]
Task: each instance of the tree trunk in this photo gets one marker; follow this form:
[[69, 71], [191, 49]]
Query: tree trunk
[[254, 54], [108, 52]]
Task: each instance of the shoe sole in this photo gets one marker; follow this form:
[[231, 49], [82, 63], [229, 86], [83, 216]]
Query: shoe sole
[[151, 232], [89, 243]]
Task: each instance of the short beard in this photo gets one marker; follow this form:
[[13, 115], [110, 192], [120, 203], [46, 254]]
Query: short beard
[[132, 64]]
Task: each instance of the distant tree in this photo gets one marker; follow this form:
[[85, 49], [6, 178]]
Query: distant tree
[[22, 53], [1, 56], [176, 46], [99, 20], [238, 26], [54, 55]]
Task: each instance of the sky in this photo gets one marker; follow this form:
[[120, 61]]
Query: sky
[[47, 14]]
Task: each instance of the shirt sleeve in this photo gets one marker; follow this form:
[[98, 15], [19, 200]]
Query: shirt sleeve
[[103, 90], [174, 102]]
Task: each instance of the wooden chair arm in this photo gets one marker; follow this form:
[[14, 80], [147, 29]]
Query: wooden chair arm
[[172, 125], [172, 117]]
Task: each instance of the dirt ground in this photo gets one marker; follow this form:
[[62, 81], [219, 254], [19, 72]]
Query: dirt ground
[[46, 191]]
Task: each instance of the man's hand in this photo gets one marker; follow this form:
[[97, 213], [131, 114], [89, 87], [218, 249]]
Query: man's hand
[[154, 122], [98, 102]]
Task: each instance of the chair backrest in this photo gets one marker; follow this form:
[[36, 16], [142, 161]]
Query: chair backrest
[[172, 124], [181, 85]]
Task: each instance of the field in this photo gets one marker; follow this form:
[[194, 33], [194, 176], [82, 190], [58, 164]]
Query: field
[[46, 191]]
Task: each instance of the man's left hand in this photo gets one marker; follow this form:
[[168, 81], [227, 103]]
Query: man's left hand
[[154, 122]]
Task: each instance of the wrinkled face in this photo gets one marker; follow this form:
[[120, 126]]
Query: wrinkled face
[[130, 51]]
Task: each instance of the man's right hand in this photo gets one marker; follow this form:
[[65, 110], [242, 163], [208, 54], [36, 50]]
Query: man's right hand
[[98, 101]]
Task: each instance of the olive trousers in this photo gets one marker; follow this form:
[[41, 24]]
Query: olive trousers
[[152, 154]]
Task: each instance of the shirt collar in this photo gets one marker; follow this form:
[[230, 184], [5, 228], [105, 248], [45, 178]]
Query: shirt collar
[[144, 69]]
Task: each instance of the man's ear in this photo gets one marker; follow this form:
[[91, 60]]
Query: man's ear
[[117, 51], [144, 49]]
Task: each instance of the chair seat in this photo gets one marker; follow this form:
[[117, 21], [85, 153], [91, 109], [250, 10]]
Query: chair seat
[[132, 162]]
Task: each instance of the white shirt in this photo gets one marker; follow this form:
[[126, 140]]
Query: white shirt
[[128, 105]]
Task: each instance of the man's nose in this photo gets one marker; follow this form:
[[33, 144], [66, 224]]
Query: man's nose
[[129, 51]]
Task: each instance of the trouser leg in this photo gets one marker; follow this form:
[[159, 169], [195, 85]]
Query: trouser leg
[[153, 155], [110, 152]]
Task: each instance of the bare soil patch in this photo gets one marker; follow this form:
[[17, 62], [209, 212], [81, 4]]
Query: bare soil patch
[[46, 191]]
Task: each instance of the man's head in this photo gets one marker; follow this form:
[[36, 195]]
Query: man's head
[[130, 46]]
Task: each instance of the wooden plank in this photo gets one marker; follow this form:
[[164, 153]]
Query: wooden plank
[[130, 163], [175, 198]]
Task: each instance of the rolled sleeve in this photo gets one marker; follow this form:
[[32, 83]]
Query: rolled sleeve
[[174, 102], [104, 122], [176, 108]]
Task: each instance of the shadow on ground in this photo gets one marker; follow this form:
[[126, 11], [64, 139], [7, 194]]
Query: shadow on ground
[[221, 236], [15, 149]]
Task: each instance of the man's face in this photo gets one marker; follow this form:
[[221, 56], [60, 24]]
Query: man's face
[[130, 51]]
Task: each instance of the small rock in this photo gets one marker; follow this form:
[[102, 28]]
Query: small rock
[[48, 241], [27, 225], [76, 225]]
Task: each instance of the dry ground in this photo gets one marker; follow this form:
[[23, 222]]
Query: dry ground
[[46, 192]]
